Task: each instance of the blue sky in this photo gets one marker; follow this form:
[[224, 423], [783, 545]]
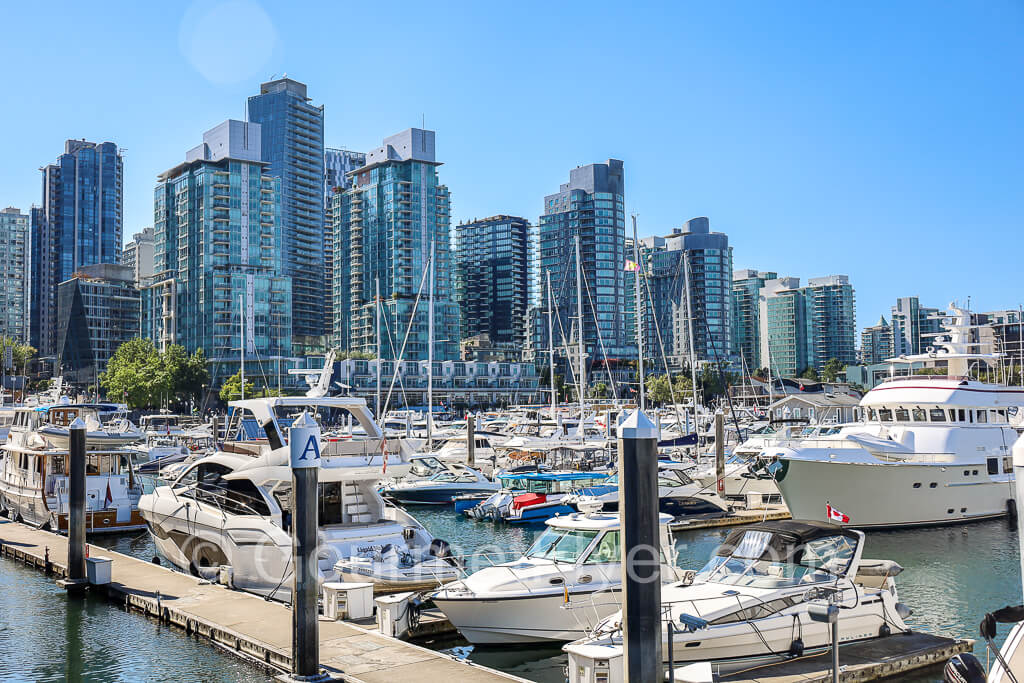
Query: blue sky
[[881, 140]]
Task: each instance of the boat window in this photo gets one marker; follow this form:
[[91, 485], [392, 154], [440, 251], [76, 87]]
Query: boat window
[[561, 545], [607, 550], [760, 611], [884, 415], [982, 416], [970, 415], [937, 415], [97, 464], [424, 467], [902, 415], [330, 507], [1007, 464], [993, 465], [58, 465], [188, 478], [963, 418], [871, 414], [920, 415]]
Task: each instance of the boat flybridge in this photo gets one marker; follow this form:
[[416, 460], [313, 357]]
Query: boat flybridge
[[750, 605], [929, 450], [234, 507], [568, 581]]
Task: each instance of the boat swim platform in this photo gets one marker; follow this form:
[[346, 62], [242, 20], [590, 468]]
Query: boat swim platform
[[243, 624], [766, 513], [881, 659]]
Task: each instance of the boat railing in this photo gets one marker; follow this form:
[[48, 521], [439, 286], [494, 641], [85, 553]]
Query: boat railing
[[227, 501]]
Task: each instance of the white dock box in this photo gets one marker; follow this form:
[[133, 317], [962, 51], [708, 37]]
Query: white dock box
[[348, 600], [393, 614], [755, 501], [97, 570]]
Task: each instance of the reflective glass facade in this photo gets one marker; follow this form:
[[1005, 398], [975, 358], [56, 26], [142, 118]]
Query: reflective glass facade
[[15, 266], [492, 278], [293, 147], [805, 327], [80, 224], [746, 326], [338, 163]]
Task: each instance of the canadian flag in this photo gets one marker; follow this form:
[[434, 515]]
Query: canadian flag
[[384, 452], [835, 515]]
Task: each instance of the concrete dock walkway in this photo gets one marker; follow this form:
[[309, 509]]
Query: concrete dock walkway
[[244, 624]]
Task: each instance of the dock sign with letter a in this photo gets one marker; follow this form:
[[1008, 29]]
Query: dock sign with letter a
[[304, 443]]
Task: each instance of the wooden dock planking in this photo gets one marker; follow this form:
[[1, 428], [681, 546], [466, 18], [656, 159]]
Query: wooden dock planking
[[868, 661], [769, 512], [246, 625]]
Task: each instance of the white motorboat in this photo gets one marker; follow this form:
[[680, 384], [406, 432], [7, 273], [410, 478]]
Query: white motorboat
[[567, 582], [34, 481], [456, 451], [234, 507], [930, 450], [442, 487], [750, 604], [678, 495]]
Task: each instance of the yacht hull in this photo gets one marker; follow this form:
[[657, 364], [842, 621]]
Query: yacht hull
[[501, 621], [882, 495], [435, 495]]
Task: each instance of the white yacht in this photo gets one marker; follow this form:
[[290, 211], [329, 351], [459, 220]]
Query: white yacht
[[234, 507], [750, 604], [54, 427], [930, 449], [567, 582], [441, 487], [34, 481]]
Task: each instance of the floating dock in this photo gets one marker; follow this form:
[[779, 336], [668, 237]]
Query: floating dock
[[243, 624], [765, 513], [868, 661]]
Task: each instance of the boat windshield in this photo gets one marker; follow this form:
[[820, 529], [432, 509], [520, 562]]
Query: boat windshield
[[448, 477], [764, 560], [561, 545], [424, 467]]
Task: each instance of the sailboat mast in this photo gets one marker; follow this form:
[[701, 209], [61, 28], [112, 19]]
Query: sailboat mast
[[582, 378], [376, 310], [689, 322], [551, 346], [430, 353], [241, 332], [637, 317]]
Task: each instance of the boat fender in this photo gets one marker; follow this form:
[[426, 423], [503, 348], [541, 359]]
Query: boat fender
[[796, 648], [903, 610], [964, 668], [440, 548], [408, 533], [1011, 511], [884, 631]]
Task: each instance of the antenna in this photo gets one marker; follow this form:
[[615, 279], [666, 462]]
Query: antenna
[[423, 121]]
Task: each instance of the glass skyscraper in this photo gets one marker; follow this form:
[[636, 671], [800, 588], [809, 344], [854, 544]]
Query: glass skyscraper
[[218, 260], [338, 163], [292, 132], [589, 205], [746, 326], [384, 225], [492, 279], [15, 273], [80, 224], [709, 260]]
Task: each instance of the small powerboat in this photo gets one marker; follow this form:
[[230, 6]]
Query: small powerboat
[[566, 583], [117, 434], [532, 497], [678, 495], [441, 488], [751, 604]]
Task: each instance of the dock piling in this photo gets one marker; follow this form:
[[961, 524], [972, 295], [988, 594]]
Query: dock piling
[[304, 450], [470, 441], [641, 565], [720, 450], [76, 579]]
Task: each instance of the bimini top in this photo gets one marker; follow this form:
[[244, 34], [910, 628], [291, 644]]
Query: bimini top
[[553, 476], [789, 532], [263, 409]]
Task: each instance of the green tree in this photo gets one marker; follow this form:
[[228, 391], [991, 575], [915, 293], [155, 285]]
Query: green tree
[[21, 354], [184, 374], [810, 373], [599, 390], [833, 368], [135, 374], [232, 388], [658, 389]]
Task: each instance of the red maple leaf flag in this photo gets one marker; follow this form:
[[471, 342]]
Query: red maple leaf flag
[[384, 452], [835, 515], [108, 499]]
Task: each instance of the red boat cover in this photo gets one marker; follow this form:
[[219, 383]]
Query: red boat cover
[[528, 499]]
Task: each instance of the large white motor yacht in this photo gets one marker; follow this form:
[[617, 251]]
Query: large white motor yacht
[[234, 507], [930, 449]]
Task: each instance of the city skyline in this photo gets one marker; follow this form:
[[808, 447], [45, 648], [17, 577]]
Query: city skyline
[[871, 154]]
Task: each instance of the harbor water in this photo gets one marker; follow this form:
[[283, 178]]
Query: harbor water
[[952, 577]]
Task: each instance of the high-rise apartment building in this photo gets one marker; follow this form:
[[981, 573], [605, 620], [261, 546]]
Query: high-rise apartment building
[[876, 342], [805, 327], [912, 326], [746, 324], [15, 274], [707, 258], [218, 257], [385, 225], [292, 133], [492, 278], [80, 223], [97, 311], [139, 256], [590, 205], [338, 163]]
